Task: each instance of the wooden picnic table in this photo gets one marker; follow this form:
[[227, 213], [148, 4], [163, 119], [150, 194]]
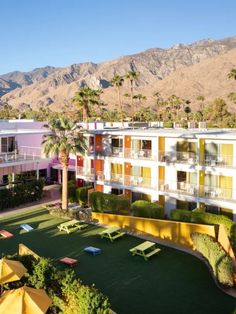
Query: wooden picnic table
[[112, 233], [72, 225], [145, 249]]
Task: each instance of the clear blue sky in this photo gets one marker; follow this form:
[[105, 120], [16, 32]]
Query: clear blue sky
[[36, 33]]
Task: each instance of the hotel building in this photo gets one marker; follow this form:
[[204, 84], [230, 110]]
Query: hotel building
[[180, 168], [20, 149]]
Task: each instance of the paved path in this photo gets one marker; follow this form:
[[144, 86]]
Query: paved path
[[50, 195]]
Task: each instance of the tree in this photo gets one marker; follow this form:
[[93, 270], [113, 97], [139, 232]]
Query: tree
[[232, 97], [232, 74], [132, 76], [85, 98], [187, 110], [65, 139], [118, 81], [139, 98]]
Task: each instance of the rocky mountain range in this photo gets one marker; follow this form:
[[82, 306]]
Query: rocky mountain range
[[185, 70]]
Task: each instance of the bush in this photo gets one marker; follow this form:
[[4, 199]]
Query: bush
[[147, 209], [82, 195], [91, 301], [68, 294], [21, 193], [202, 217], [220, 262], [109, 203]]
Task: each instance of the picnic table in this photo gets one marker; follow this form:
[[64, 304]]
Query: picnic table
[[145, 249], [6, 234], [112, 233], [71, 226]]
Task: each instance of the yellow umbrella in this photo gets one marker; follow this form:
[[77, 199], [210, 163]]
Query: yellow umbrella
[[24, 300], [11, 270]]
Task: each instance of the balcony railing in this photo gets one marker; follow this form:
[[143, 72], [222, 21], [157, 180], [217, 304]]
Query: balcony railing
[[219, 160], [139, 154], [117, 151], [85, 172], [186, 188], [178, 157], [100, 175], [138, 181], [117, 178], [24, 153]]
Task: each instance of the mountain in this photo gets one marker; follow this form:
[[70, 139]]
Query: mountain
[[184, 70]]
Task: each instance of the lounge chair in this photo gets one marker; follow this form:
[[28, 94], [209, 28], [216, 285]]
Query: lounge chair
[[26, 227]]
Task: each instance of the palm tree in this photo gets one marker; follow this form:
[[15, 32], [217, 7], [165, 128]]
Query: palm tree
[[139, 97], [232, 74], [85, 98], [118, 81], [232, 97], [65, 139], [132, 76]]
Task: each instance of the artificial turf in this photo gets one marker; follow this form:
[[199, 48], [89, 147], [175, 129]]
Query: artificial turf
[[170, 282]]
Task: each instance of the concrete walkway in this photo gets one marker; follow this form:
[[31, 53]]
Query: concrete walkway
[[50, 195]]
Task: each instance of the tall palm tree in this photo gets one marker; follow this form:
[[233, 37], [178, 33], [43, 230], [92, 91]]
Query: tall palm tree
[[232, 74], [65, 138], [132, 76], [139, 97], [118, 81], [85, 98]]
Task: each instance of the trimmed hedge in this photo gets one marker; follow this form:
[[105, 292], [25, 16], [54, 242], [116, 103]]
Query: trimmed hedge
[[220, 262], [109, 203], [202, 217], [21, 193], [147, 209], [82, 195]]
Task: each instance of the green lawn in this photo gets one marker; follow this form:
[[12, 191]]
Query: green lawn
[[170, 282]]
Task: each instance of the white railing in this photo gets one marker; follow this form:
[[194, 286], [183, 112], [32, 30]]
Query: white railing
[[139, 181], [139, 154], [178, 157], [22, 154], [117, 151], [219, 160], [117, 178], [202, 191], [85, 172]]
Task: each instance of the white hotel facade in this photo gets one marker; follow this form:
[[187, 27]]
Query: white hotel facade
[[180, 168]]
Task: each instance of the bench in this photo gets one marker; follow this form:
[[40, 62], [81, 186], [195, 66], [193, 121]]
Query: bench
[[152, 252], [26, 227], [6, 234]]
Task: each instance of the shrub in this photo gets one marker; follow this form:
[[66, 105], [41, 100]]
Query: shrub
[[21, 193], [91, 301], [109, 203], [147, 209], [220, 262], [82, 195], [202, 217]]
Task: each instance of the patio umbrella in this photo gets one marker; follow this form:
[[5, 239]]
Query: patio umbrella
[[11, 270], [24, 300]]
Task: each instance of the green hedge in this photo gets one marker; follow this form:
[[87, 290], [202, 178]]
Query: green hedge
[[220, 262], [147, 209], [72, 198], [82, 195], [109, 203], [202, 217], [21, 193]]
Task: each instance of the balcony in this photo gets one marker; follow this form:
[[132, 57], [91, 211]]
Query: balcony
[[24, 154], [217, 160], [178, 157], [117, 178], [85, 172], [138, 181], [100, 176], [139, 154], [117, 152], [209, 192]]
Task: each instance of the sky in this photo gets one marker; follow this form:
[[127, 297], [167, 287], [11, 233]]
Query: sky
[[37, 33]]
